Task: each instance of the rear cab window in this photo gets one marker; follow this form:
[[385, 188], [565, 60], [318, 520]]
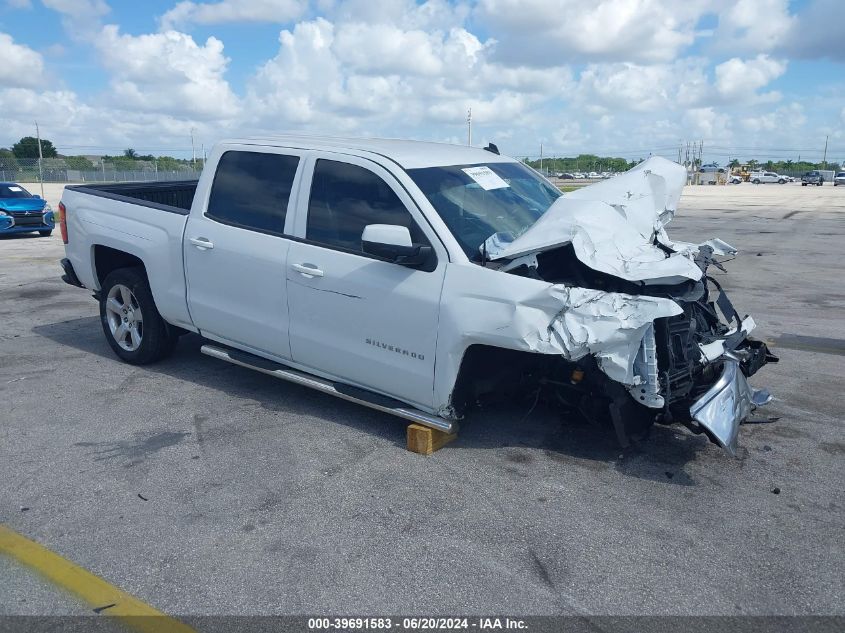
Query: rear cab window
[[252, 190]]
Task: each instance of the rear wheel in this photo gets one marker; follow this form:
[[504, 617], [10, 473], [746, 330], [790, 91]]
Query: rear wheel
[[46, 233], [131, 322], [756, 181]]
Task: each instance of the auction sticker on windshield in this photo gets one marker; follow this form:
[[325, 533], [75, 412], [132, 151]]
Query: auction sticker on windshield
[[485, 177]]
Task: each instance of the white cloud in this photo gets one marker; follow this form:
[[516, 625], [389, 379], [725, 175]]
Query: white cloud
[[707, 123], [168, 73], [406, 14], [384, 48], [354, 75], [540, 32], [19, 4], [645, 88], [59, 113], [739, 80], [81, 18], [278, 11], [755, 25], [818, 31], [409, 69], [778, 124], [21, 65]]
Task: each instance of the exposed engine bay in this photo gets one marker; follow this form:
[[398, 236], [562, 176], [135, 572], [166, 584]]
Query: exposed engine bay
[[643, 331]]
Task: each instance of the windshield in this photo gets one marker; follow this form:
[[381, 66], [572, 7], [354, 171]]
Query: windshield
[[13, 191], [476, 201]]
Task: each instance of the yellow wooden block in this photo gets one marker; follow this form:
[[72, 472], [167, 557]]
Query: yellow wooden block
[[425, 440]]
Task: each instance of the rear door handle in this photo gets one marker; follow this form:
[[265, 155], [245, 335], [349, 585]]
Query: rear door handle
[[309, 270], [201, 242]]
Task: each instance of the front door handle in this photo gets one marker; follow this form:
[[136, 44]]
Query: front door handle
[[201, 242], [309, 270]]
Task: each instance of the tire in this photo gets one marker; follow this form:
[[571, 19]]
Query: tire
[[781, 181], [756, 181], [803, 184], [124, 297], [47, 233]]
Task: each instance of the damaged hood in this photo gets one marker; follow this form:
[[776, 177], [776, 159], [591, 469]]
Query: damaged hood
[[617, 227]]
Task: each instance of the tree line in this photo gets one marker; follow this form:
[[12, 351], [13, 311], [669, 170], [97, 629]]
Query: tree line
[[26, 149], [582, 163], [22, 154], [783, 165]]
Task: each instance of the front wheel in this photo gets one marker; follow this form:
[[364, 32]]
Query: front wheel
[[46, 233], [131, 322], [781, 181], [756, 181]]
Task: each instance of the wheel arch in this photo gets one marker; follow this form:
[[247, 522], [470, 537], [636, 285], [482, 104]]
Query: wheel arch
[[107, 259], [486, 369]]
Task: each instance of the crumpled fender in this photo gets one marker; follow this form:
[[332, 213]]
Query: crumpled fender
[[484, 306]]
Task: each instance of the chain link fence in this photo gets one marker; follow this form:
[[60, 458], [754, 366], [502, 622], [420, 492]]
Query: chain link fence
[[95, 169]]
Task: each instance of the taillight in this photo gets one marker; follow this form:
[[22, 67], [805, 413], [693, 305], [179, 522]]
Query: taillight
[[63, 221]]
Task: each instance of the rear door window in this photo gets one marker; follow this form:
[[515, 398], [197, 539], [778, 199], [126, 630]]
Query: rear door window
[[345, 198], [251, 190]]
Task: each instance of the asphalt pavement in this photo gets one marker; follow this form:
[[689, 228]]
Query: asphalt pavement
[[204, 488]]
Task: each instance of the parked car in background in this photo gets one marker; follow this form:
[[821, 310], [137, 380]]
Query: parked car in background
[[814, 177], [839, 179], [23, 212], [761, 177]]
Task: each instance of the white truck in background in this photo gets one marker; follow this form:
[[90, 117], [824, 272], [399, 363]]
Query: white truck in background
[[763, 177], [423, 279]]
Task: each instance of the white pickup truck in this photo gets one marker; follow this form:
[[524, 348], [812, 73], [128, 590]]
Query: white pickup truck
[[762, 177], [423, 279]]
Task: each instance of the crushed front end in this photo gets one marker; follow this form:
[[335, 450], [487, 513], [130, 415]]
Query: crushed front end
[[641, 325], [701, 361]]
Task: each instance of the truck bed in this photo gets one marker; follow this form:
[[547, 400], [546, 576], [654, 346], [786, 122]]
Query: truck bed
[[174, 196], [146, 220]]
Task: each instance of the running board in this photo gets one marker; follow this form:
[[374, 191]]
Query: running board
[[347, 392]]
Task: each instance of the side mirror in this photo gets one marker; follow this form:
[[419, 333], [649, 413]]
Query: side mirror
[[36, 196], [392, 243]]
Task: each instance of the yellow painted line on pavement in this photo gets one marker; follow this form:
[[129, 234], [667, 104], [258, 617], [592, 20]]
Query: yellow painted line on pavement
[[106, 599]]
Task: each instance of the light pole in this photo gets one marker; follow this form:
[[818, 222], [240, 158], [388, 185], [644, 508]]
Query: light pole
[[40, 159], [193, 152], [469, 126], [824, 159]]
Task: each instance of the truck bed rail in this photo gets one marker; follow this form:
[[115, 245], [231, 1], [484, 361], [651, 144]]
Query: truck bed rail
[[171, 196]]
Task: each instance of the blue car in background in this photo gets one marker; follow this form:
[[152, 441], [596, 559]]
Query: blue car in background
[[22, 212]]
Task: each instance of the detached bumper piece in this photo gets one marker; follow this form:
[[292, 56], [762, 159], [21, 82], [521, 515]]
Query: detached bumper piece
[[727, 403]]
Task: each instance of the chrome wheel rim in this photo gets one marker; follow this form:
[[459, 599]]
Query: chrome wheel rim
[[124, 317]]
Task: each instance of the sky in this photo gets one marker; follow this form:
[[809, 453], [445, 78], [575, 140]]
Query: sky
[[748, 78]]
